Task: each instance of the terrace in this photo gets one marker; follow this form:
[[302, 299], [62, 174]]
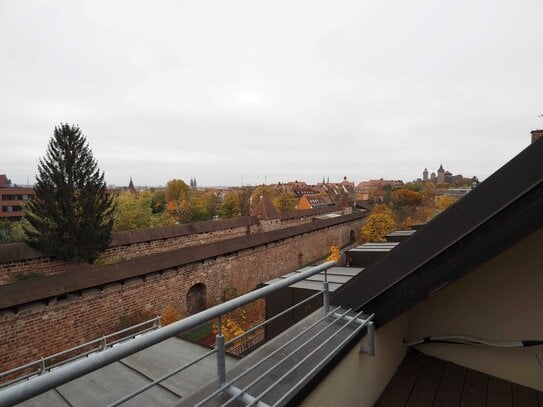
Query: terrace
[[451, 316]]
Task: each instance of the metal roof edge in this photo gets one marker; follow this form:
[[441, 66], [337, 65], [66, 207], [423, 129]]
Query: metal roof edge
[[510, 182]]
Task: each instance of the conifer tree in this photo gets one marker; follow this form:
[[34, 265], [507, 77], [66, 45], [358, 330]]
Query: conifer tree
[[71, 216]]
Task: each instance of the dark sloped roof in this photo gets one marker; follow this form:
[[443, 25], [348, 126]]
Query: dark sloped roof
[[309, 212], [4, 181], [265, 209], [499, 212]]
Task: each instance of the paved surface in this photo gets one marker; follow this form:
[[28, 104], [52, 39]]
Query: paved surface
[[114, 381]]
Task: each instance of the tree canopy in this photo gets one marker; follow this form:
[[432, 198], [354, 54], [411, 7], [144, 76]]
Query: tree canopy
[[379, 223], [285, 202], [71, 216], [177, 194], [230, 207]]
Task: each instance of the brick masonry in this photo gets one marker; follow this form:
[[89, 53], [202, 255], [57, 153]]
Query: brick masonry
[[42, 327], [16, 259]]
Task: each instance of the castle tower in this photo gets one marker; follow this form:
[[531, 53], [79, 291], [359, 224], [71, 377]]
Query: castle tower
[[440, 175], [425, 175]]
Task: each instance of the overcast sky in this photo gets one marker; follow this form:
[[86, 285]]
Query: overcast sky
[[226, 91]]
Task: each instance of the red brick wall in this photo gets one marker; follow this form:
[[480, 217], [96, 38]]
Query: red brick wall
[[41, 328], [29, 261]]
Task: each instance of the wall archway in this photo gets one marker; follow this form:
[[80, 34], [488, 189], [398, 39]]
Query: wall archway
[[352, 236], [196, 298]]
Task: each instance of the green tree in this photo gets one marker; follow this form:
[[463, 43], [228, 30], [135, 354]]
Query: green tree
[[11, 231], [131, 212], [6, 231], [285, 202], [158, 201], [177, 192], [230, 207], [244, 197], [199, 210], [71, 216], [213, 203]]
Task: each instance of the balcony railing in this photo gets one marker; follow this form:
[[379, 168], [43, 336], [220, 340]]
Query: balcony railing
[[313, 347], [45, 364]]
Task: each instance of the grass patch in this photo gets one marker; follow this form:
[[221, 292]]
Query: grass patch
[[194, 335]]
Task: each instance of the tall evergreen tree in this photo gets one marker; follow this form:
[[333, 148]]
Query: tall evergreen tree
[[71, 216]]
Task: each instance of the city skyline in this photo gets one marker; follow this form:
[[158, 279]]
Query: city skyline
[[249, 93]]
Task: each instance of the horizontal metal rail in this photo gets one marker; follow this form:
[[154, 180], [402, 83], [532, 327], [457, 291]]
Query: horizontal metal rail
[[281, 362], [261, 361], [42, 363], [267, 321], [40, 384], [315, 369]]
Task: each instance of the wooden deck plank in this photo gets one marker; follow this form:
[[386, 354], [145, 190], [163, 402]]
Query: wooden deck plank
[[499, 393], [398, 390], [450, 388], [425, 381], [524, 396], [425, 388], [474, 392]]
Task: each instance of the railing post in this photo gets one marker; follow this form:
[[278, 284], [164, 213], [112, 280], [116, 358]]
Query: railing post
[[369, 349], [326, 298], [219, 344]]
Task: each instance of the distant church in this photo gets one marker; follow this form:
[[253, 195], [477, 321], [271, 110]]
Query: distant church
[[131, 188]]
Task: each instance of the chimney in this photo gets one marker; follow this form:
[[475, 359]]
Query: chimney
[[536, 134]]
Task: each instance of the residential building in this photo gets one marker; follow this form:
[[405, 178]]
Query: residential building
[[373, 189], [312, 201], [13, 199]]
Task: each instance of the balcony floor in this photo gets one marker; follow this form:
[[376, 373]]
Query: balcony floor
[[423, 380]]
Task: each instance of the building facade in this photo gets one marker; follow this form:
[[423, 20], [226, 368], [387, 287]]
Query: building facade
[[13, 199]]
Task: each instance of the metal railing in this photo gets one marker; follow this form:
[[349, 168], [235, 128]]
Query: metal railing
[[47, 363], [56, 377]]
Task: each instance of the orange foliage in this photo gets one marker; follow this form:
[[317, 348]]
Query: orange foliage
[[334, 253], [241, 319], [406, 197], [169, 315]]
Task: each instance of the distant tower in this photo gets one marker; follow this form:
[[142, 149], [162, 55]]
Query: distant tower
[[425, 175], [131, 188], [433, 177], [440, 175]]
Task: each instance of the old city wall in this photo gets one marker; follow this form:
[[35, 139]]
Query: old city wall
[[38, 318], [18, 261]]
